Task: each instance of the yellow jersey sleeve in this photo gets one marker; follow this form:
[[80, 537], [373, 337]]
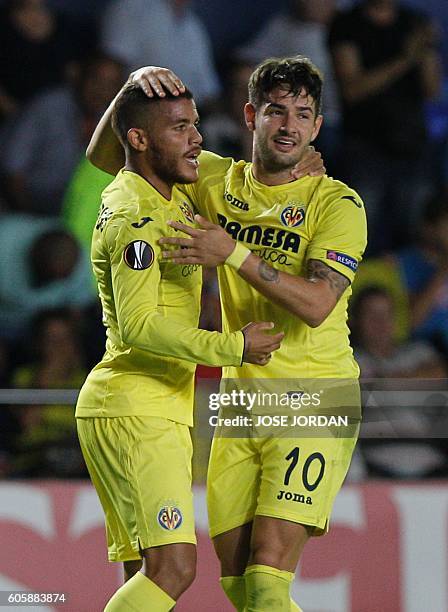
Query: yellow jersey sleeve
[[340, 235], [135, 261]]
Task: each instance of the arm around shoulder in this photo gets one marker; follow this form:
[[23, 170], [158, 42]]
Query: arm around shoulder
[[104, 149]]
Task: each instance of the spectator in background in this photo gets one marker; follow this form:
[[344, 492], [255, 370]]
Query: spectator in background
[[416, 277], [225, 130], [47, 443], [383, 272], [42, 267], [377, 352], [424, 271], [403, 453], [386, 66], [43, 148], [162, 33], [303, 28], [37, 45]]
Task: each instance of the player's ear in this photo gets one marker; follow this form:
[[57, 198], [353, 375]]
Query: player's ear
[[317, 126], [137, 139], [249, 116]]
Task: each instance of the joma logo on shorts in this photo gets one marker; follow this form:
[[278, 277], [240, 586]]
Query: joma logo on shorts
[[296, 497]]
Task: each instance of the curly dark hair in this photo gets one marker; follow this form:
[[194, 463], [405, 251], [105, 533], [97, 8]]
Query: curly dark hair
[[290, 73]]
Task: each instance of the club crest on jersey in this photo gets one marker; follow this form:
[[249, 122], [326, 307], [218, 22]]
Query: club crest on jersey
[[342, 258], [187, 211], [138, 255], [170, 518], [292, 216]]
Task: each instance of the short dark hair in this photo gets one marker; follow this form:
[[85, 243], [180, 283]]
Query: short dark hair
[[365, 294], [131, 108], [357, 305], [290, 73]]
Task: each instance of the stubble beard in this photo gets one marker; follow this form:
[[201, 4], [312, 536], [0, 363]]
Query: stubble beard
[[167, 167], [273, 162]]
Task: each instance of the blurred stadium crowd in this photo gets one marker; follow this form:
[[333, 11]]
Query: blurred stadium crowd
[[60, 65]]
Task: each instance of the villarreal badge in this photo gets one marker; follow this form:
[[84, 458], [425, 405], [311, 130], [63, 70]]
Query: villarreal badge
[[187, 211], [292, 216], [169, 517]]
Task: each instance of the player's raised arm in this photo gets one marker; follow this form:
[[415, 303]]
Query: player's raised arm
[[104, 149]]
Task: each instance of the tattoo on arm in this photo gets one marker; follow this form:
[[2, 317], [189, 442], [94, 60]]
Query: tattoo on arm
[[271, 275], [318, 270]]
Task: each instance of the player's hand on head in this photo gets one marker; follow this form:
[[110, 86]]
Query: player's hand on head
[[208, 245], [154, 80], [259, 344], [311, 164]]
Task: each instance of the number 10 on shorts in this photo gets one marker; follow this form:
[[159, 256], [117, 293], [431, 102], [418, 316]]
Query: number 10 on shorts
[[293, 457]]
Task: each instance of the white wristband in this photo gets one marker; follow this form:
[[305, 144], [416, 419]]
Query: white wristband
[[238, 256]]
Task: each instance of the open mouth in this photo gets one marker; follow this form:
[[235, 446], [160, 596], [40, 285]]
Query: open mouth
[[284, 144], [192, 158]]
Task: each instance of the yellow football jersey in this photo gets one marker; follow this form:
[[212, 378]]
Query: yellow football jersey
[[286, 225], [150, 310]]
